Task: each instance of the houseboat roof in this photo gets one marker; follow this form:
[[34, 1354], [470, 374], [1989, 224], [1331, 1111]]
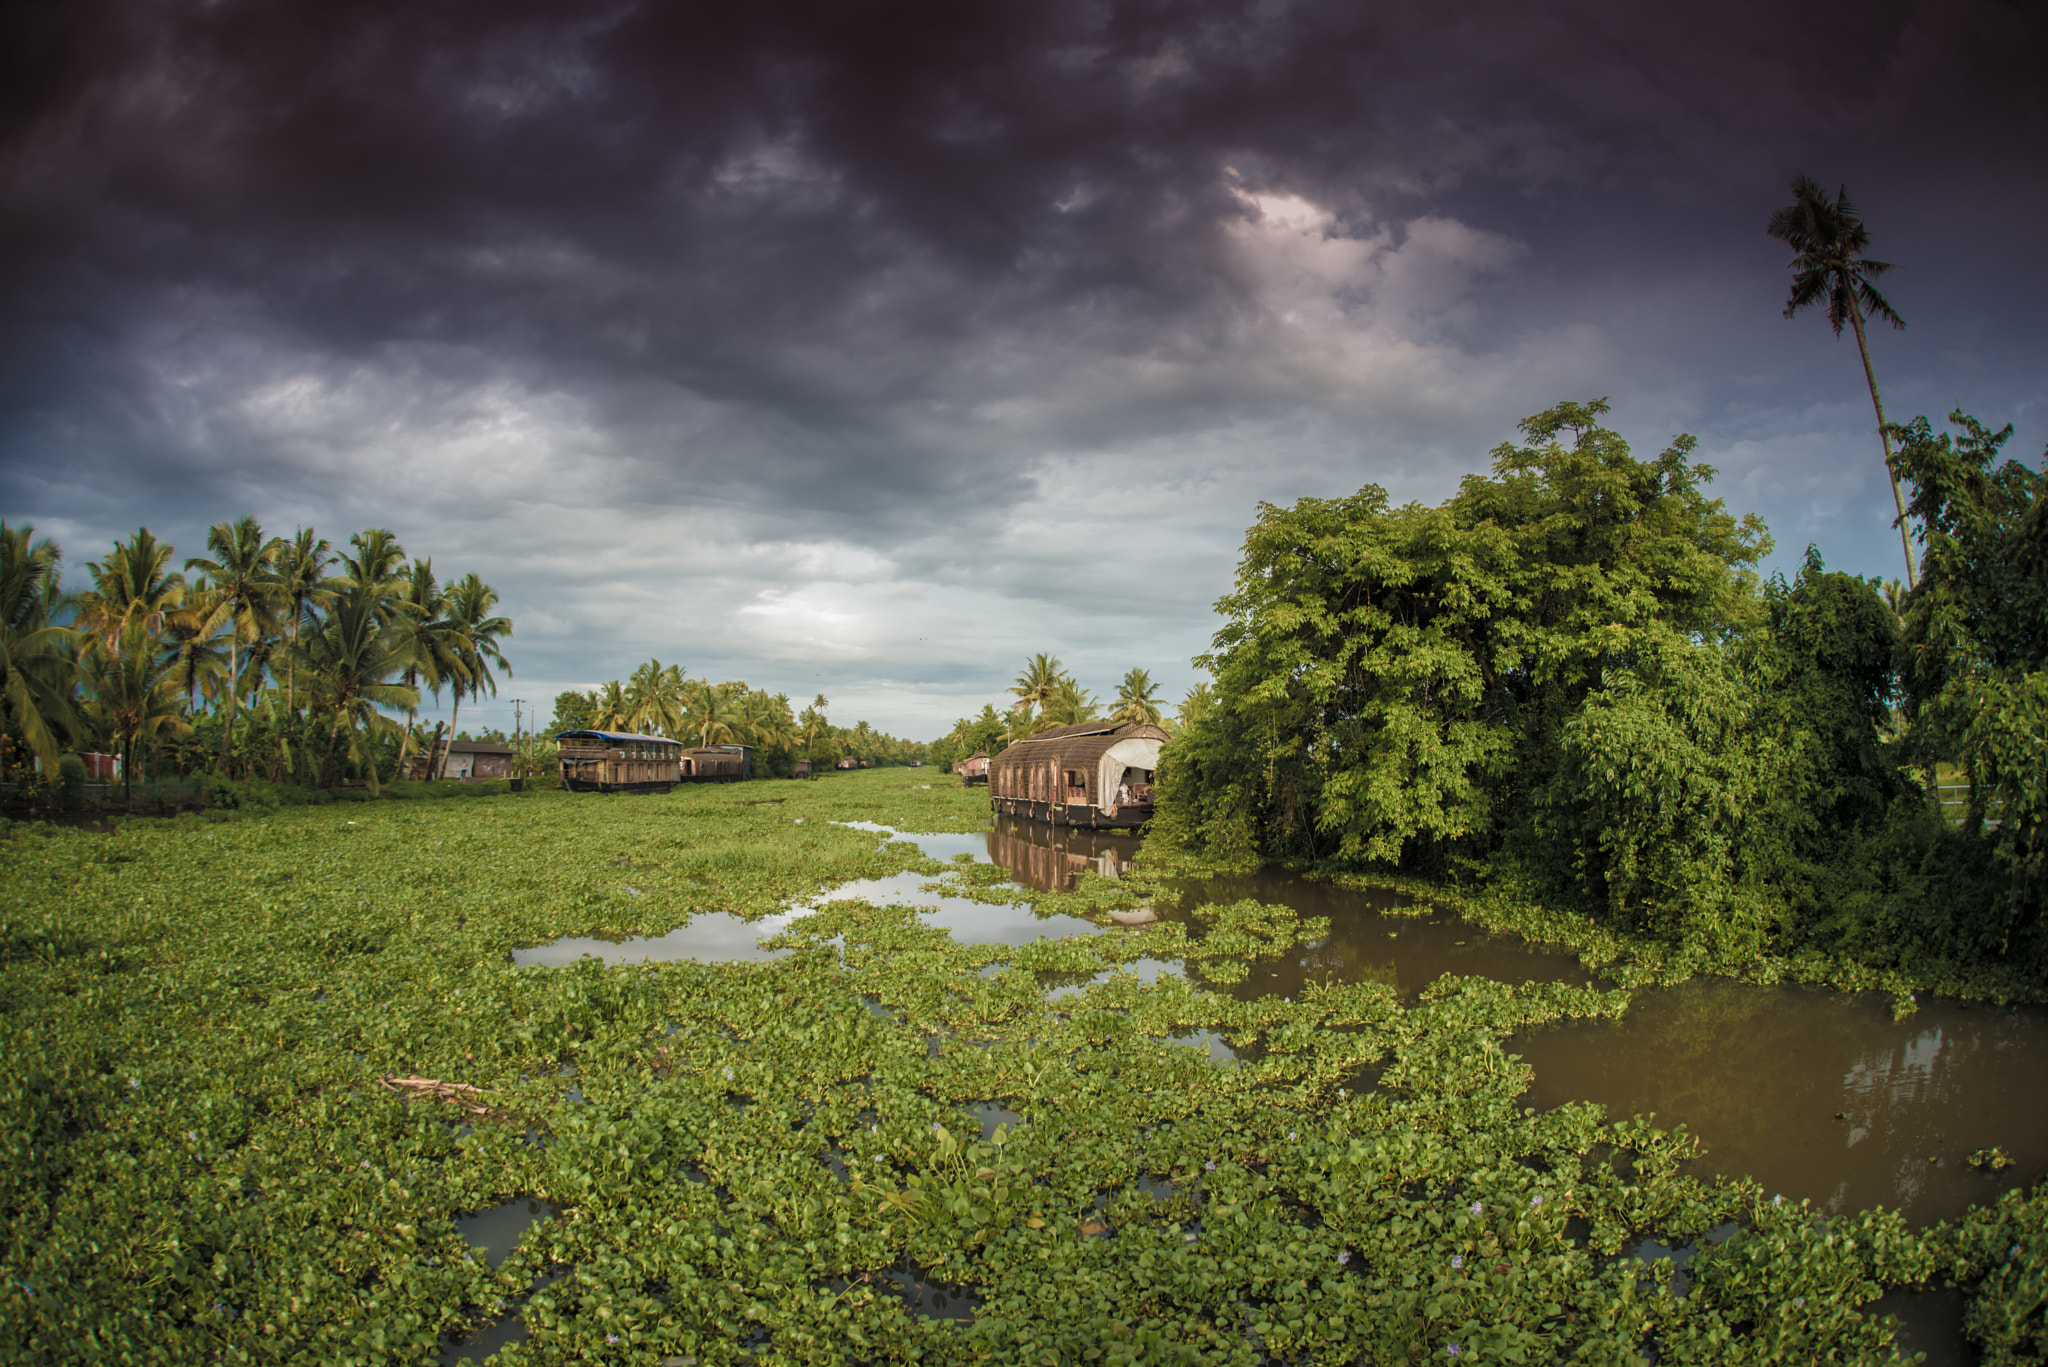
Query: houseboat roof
[[616, 735], [1088, 739]]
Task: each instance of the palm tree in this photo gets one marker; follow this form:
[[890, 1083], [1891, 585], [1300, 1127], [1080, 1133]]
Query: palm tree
[[352, 660], [1136, 698], [35, 653], [715, 716], [133, 694], [134, 583], [770, 722], [303, 585], [1069, 705], [1200, 701], [657, 699], [379, 565], [1828, 237], [248, 594], [428, 643], [1034, 687], [193, 635], [474, 633], [614, 712]]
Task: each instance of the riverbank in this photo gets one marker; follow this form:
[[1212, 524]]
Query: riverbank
[[222, 1142]]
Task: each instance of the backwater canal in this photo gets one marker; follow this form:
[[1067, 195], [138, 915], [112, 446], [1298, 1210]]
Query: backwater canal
[[1818, 1095]]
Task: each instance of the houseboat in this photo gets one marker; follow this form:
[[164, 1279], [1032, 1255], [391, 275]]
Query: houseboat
[[973, 769], [717, 764], [1097, 774], [618, 762]]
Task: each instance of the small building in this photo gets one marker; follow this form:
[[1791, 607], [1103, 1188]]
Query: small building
[[717, 764], [618, 762], [973, 769], [803, 768], [468, 759], [1097, 774]]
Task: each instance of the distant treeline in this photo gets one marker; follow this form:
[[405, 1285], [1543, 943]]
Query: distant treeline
[[268, 657], [660, 700], [1569, 683]]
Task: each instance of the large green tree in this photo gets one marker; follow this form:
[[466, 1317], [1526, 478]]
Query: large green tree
[[1976, 633], [1505, 676]]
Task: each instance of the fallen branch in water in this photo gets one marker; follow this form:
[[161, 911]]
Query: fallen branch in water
[[454, 1093]]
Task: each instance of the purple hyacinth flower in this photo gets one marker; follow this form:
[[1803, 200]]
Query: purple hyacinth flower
[[1478, 1209], [1457, 1261], [1344, 1257]]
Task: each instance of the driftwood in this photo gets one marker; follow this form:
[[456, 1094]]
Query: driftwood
[[454, 1093]]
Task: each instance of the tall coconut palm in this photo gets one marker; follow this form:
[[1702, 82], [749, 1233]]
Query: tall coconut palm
[[133, 583], [426, 639], [1069, 705], [474, 633], [1829, 237], [241, 574], [194, 640], [353, 664], [1137, 698], [768, 721], [35, 652], [657, 698], [614, 712], [303, 585], [1034, 687], [133, 694], [715, 716], [379, 565]]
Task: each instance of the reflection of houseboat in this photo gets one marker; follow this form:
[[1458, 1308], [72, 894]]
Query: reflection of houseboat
[[973, 769], [717, 764], [1049, 860], [1095, 774], [618, 762]]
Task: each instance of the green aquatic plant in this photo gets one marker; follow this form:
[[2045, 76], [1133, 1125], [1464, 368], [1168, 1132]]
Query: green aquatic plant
[[258, 1069]]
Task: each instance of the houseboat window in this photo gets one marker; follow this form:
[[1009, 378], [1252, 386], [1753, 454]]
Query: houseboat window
[[1074, 779]]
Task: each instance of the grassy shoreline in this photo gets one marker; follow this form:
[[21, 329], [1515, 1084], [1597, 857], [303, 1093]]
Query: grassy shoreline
[[204, 1160]]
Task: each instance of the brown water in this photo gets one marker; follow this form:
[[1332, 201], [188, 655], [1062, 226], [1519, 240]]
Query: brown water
[[1818, 1095]]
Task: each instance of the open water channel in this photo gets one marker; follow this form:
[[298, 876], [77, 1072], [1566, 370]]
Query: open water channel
[[1818, 1095]]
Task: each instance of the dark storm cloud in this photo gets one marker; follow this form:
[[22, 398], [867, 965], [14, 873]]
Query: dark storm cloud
[[902, 279]]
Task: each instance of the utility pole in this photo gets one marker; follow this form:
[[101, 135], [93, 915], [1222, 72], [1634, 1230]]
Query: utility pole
[[518, 716]]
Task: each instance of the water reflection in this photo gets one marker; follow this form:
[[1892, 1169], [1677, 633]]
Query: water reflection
[[710, 937], [1819, 1095], [1052, 859]]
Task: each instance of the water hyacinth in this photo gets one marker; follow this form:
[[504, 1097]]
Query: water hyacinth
[[729, 1203]]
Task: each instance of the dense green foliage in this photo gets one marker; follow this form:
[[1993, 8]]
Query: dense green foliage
[[200, 1159], [1568, 682]]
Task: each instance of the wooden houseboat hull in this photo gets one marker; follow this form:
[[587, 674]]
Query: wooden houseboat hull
[[579, 785], [1079, 815]]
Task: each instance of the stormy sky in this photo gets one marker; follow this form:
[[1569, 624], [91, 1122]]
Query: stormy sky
[[866, 348]]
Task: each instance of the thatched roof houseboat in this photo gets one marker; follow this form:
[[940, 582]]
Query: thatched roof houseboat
[[973, 769], [618, 762], [1096, 774]]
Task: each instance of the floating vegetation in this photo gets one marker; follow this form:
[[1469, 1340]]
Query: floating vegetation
[[263, 1073]]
